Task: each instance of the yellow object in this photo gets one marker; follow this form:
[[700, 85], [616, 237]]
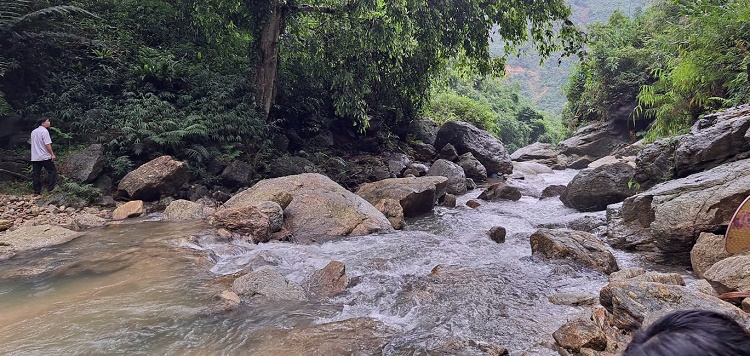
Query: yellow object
[[737, 238]]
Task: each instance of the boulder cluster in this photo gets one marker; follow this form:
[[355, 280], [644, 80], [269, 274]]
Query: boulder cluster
[[669, 200]]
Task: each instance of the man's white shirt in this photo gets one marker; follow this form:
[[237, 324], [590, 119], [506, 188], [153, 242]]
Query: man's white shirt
[[39, 140]]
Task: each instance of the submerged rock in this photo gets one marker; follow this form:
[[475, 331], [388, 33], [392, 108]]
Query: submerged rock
[[28, 238], [578, 246]]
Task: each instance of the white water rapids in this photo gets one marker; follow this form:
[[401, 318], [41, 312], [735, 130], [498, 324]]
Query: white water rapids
[[138, 289]]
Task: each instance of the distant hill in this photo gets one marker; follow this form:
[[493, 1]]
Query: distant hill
[[544, 84]]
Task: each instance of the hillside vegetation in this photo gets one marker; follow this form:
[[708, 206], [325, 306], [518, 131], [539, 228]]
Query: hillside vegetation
[[215, 81], [665, 67]]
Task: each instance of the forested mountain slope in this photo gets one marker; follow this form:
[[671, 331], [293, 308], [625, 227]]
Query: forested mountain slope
[[543, 84]]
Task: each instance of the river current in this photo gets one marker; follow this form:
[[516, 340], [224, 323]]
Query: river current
[[144, 288]]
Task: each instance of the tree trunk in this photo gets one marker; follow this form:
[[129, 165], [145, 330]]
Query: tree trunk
[[268, 58]]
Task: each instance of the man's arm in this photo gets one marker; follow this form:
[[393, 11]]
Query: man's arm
[[49, 149]]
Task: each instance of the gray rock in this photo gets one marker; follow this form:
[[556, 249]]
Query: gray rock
[[237, 174], [416, 195], [497, 234], [448, 152], [319, 208], [594, 189], [708, 250], [672, 215], [577, 246], [397, 163], [485, 147], [29, 238], [179, 210], [595, 141], [713, 140], [452, 171], [424, 152], [267, 284], [500, 191], [552, 191], [292, 165], [543, 153], [472, 167], [654, 164], [84, 166], [638, 304], [416, 169], [155, 179]]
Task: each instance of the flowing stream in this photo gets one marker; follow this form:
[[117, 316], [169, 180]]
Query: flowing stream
[[142, 289]]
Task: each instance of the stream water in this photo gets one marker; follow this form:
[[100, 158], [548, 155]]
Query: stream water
[[140, 289]]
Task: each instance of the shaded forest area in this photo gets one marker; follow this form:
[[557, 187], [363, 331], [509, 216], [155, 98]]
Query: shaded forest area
[[215, 81]]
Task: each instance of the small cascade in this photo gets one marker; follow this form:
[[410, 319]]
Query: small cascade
[[440, 281]]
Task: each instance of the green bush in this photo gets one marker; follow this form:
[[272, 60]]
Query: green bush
[[454, 107]]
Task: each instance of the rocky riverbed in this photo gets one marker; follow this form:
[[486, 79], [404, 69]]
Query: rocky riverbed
[[29, 210]]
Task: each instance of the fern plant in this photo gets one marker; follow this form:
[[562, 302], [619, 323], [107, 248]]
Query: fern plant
[[18, 19]]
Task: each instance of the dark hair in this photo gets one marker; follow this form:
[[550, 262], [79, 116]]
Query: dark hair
[[691, 333], [41, 120]]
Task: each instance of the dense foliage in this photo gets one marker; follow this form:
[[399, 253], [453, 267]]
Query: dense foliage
[[544, 82], [495, 105], [181, 77], [671, 64]]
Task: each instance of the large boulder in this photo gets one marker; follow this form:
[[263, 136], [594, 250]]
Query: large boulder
[[731, 274], [708, 250], [713, 140], [634, 304], [423, 129], [594, 188], [158, 178], [320, 208], [452, 171], [472, 167], [672, 215], [577, 246], [237, 174], [654, 164], [596, 140], [416, 195], [543, 153], [84, 166], [485, 147]]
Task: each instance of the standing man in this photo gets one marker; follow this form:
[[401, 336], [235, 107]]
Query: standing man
[[42, 157]]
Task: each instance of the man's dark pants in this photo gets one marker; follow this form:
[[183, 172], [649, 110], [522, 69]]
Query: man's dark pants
[[36, 175]]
